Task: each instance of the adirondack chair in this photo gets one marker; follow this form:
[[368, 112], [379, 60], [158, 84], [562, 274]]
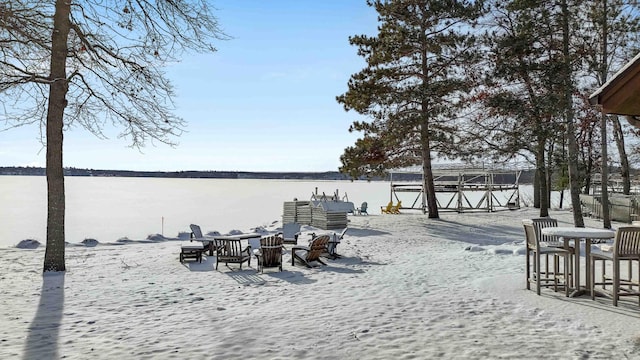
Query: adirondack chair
[[207, 242], [362, 210], [290, 233], [270, 252], [308, 254], [391, 209], [387, 209], [396, 208]]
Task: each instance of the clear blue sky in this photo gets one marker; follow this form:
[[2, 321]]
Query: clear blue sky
[[265, 101]]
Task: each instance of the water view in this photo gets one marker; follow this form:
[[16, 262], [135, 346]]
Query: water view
[[111, 208]]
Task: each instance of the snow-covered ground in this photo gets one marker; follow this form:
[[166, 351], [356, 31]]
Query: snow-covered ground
[[406, 287]]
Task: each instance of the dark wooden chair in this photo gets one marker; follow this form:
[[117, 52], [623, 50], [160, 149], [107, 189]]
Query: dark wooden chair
[[231, 251], [270, 253], [307, 254]]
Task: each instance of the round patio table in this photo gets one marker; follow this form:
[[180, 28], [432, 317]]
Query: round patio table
[[579, 233]]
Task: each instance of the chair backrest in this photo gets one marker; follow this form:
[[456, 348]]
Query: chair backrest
[[271, 250], [289, 230], [530, 235], [229, 248], [363, 207], [317, 247], [389, 206], [196, 232], [541, 223], [627, 242]]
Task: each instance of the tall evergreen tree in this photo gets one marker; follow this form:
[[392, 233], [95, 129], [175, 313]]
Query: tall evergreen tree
[[411, 86], [567, 77], [520, 92], [551, 63]]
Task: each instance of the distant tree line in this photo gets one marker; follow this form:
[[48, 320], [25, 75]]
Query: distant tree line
[[71, 171], [526, 176]]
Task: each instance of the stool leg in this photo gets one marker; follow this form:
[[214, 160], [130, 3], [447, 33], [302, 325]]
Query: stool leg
[[593, 278], [528, 270], [567, 276], [538, 270], [556, 269]]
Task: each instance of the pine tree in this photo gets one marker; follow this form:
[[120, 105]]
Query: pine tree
[[519, 96], [411, 86]]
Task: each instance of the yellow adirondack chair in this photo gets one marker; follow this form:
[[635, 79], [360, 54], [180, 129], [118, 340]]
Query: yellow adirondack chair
[[396, 209], [387, 209], [391, 209]]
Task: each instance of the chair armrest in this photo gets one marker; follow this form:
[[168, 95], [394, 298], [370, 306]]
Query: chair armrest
[[331, 246]]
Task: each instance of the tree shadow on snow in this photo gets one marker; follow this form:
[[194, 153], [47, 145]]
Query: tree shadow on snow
[[358, 232], [477, 234], [44, 330]]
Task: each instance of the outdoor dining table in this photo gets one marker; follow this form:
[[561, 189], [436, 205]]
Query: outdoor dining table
[[247, 237], [577, 234]]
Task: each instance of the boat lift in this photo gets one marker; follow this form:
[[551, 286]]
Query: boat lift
[[463, 190]]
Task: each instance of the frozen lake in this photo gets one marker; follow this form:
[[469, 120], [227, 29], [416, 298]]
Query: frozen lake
[[110, 208]]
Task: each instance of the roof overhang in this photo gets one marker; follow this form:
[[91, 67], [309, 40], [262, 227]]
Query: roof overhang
[[621, 94]]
